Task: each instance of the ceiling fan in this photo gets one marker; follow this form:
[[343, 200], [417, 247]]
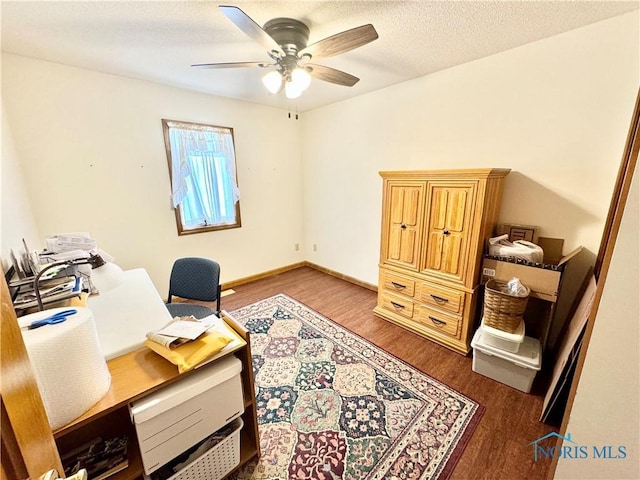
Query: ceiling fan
[[285, 40]]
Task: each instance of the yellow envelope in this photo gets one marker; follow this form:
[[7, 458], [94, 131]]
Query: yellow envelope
[[190, 354]]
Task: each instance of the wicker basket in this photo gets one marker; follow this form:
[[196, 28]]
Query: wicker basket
[[503, 310]]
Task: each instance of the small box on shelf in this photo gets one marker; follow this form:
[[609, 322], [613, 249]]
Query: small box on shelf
[[542, 278], [518, 232]]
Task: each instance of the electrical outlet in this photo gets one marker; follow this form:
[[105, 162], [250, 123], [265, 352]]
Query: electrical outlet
[[297, 247], [315, 247]]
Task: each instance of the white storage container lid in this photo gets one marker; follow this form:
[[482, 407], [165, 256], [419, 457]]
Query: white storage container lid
[[528, 356], [515, 337], [178, 392]]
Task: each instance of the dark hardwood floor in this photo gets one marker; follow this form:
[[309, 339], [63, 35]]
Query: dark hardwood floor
[[499, 447]]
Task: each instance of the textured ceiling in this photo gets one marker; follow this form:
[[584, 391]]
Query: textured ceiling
[[159, 40]]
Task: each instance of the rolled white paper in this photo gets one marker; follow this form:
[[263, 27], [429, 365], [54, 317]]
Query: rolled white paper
[[69, 367]]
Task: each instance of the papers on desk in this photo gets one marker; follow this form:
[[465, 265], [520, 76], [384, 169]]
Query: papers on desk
[[181, 330], [169, 335], [217, 339], [189, 328]]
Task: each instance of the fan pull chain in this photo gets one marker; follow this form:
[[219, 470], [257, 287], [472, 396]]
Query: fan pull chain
[[296, 113]]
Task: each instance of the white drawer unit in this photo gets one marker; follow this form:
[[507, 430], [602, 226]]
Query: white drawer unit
[[175, 418]]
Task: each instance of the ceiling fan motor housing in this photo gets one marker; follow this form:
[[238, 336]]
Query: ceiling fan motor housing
[[292, 35]]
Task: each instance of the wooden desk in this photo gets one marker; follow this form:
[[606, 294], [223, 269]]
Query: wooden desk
[[139, 371]]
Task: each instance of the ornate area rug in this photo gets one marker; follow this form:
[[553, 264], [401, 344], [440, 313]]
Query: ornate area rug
[[332, 405]]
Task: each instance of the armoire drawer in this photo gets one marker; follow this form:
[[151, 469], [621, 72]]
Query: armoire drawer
[[397, 304], [438, 321], [441, 297], [397, 283]]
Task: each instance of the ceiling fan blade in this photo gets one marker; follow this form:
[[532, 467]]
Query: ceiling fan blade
[[341, 42], [231, 65], [251, 28], [332, 75]]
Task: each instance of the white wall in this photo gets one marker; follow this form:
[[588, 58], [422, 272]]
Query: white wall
[[555, 111], [15, 206], [606, 409], [92, 152]]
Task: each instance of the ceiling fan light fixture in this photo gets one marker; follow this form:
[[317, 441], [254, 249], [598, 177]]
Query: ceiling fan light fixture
[[273, 81], [291, 90], [301, 79]]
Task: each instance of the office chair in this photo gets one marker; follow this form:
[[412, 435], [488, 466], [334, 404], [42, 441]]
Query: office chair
[[194, 278]]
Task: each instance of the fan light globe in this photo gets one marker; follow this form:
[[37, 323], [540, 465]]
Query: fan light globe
[[291, 90], [301, 79], [272, 81]]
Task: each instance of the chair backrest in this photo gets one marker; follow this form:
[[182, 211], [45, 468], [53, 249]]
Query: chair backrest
[[195, 278]]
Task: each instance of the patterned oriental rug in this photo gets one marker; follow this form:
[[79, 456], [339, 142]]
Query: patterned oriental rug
[[332, 405]]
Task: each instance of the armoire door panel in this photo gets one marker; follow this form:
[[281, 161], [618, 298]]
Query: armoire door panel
[[397, 205], [450, 208], [451, 254], [456, 210], [438, 208], [408, 246], [411, 206], [405, 224], [402, 244], [434, 250], [395, 242]]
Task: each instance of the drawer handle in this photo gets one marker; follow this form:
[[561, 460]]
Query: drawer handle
[[398, 286], [403, 226], [436, 322], [397, 305], [439, 299], [446, 232]]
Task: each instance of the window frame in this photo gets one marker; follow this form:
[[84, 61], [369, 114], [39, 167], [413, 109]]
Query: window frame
[[182, 230]]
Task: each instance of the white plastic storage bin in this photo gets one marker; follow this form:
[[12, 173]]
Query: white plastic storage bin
[[176, 417], [518, 370], [509, 342], [211, 459]]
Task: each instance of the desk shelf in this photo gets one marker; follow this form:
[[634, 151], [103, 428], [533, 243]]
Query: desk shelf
[[139, 373]]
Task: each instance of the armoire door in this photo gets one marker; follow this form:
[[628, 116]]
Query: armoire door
[[403, 229], [450, 211]]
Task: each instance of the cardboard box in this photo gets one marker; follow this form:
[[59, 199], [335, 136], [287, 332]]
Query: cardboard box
[[518, 232], [542, 278]]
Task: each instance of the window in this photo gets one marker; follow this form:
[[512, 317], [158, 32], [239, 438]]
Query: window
[[202, 168]]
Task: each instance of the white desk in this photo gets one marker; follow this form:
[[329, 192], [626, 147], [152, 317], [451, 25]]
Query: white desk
[[124, 315]]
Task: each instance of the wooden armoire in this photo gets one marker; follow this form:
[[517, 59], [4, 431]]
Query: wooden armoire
[[434, 227]]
